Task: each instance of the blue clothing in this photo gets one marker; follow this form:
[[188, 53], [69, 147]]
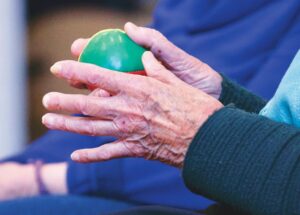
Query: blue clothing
[[250, 41], [130, 179], [59, 205], [285, 104]]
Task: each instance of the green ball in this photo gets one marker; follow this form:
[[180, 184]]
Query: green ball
[[114, 50]]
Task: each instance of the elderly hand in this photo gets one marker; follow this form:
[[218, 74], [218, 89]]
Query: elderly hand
[[186, 67], [154, 116]]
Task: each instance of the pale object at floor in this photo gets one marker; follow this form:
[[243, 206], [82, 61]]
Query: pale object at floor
[[285, 104], [12, 82]]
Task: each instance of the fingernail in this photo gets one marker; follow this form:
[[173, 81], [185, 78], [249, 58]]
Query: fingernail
[[131, 25], [45, 101], [48, 120], [75, 156], [57, 67], [147, 55], [73, 47], [43, 119], [76, 44]]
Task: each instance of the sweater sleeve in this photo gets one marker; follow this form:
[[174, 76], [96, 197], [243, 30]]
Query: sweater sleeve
[[242, 98], [246, 161]]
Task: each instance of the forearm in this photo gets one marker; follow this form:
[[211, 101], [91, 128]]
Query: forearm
[[246, 161], [26, 180], [240, 97], [54, 178], [54, 149]]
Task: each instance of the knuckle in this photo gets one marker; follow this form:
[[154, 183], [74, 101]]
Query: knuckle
[[93, 79], [155, 34], [104, 155], [84, 156], [158, 42], [127, 125], [67, 125], [140, 151], [91, 128], [83, 106], [63, 124], [156, 37], [93, 73], [121, 124], [143, 85]]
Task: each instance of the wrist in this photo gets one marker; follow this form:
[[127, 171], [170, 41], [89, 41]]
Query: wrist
[[29, 186], [201, 114], [217, 82], [54, 178], [212, 106]]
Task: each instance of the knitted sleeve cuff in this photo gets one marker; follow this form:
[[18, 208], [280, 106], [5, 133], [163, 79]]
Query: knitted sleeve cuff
[[246, 161], [243, 99]]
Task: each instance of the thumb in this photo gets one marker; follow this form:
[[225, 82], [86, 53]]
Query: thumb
[[156, 70], [78, 46], [158, 44]]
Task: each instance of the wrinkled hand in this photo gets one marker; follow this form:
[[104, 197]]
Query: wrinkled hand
[[154, 116], [186, 67], [17, 181]]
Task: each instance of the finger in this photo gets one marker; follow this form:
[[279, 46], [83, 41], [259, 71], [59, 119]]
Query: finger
[[106, 108], [94, 76], [78, 46], [77, 84], [82, 125], [156, 70], [99, 93], [105, 152], [161, 47]]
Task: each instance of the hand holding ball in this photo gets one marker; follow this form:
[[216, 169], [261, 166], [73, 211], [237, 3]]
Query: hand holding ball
[[113, 49]]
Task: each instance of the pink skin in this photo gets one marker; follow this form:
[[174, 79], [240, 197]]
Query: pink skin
[[19, 180], [154, 116], [186, 67]]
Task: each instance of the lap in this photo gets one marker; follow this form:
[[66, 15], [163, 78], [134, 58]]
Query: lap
[[75, 205]]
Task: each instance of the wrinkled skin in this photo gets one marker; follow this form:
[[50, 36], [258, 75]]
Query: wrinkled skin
[[186, 67], [154, 116]]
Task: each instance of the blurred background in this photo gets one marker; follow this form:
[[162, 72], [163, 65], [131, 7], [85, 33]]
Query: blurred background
[[37, 33]]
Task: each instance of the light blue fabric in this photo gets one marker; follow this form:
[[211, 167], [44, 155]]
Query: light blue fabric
[[285, 104]]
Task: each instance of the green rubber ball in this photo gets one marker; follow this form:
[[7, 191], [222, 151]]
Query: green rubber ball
[[113, 49]]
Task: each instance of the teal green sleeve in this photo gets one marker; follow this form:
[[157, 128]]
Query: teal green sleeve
[[246, 161], [240, 97]]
